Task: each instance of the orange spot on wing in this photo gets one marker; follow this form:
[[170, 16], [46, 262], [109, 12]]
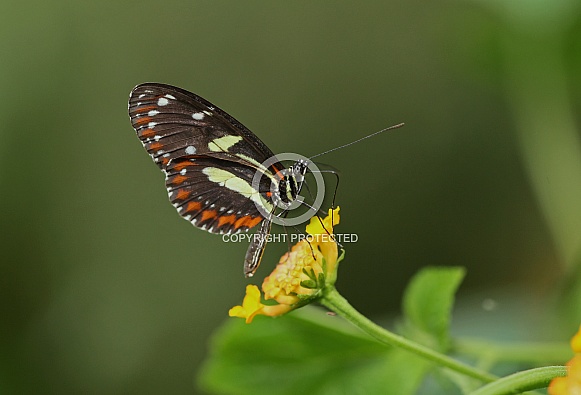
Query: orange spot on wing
[[277, 171], [207, 214], [164, 161], [155, 146], [146, 133], [141, 110], [268, 194], [253, 222], [182, 164], [142, 120], [178, 179], [247, 221], [193, 206], [183, 194], [228, 219]]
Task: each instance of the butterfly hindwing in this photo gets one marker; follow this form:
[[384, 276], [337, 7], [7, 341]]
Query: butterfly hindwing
[[216, 195]]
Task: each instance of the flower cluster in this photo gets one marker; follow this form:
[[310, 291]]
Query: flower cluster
[[571, 384], [300, 276]]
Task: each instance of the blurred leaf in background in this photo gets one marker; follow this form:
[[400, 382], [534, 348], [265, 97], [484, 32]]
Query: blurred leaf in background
[[307, 352]]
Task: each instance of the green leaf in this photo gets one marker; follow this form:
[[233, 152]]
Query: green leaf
[[307, 352], [428, 302]]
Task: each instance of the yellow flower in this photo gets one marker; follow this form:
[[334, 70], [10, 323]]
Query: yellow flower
[[251, 306], [571, 384], [301, 274], [323, 238], [576, 342]]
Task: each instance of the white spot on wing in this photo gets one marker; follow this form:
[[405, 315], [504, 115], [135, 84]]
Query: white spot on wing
[[170, 97], [162, 102], [153, 113], [190, 150], [183, 172], [151, 125], [198, 116]]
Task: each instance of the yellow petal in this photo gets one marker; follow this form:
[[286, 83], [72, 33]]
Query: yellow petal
[[316, 228], [251, 305], [571, 384], [558, 386], [276, 310], [574, 366], [576, 341]]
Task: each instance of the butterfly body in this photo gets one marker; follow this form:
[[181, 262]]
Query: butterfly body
[[210, 161]]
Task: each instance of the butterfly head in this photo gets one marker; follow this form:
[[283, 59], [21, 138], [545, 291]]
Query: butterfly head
[[291, 183]]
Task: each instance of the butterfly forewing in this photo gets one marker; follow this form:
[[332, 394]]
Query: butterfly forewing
[[173, 123]]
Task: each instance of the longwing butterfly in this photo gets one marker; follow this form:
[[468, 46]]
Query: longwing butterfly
[[210, 159]]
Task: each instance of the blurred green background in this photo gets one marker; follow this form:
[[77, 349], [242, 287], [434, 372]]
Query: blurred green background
[[104, 289]]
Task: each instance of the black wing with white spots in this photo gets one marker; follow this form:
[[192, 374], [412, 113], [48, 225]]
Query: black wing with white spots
[[174, 123]]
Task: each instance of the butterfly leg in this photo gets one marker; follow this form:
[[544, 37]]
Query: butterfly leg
[[256, 247]]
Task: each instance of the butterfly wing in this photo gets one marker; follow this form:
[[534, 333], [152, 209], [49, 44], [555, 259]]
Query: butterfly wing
[[209, 157], [216, 195], [173, 123]]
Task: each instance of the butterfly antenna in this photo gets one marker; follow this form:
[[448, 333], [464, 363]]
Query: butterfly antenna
[[399, 125]]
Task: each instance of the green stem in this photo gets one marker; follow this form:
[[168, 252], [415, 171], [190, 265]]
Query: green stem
[[527, 352], [522, 381], [334, 301]]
